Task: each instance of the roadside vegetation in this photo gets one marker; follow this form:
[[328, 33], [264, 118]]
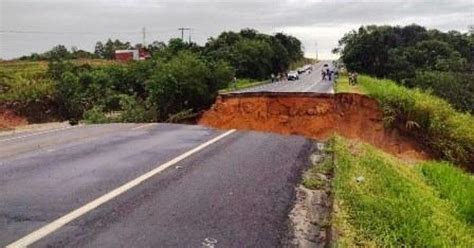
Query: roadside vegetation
[[431, 120], [318, 175], [381, 201], [415, 57], [180, 80], [244, 83]]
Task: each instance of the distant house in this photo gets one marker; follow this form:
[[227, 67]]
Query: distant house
[[131, 54]]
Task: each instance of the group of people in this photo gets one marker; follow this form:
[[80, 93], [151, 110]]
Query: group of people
[[328, 74], [352, 78]]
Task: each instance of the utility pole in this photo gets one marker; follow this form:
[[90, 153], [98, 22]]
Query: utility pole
[[182, 32], [144, 37], [316, 47]]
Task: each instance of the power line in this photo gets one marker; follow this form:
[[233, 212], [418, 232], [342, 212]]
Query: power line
[[60, 33], [14, 31], [182, 32]]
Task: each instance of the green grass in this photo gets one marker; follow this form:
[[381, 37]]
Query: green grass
[[431, 120], [342, 86], [395, 205], [453, 185], [313, 178], [243, 84]]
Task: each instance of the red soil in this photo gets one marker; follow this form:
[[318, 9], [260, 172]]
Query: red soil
[[313, 115], [8, 119]]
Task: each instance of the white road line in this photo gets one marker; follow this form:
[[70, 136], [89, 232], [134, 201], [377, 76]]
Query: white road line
[[39, 133], [58, 223], [143, 126]]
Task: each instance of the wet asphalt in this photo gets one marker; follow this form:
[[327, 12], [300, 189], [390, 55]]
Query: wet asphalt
[[236, 192], [308, 82]]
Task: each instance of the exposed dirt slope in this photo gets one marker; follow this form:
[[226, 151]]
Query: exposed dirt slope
[[8, 119], [310, 114]]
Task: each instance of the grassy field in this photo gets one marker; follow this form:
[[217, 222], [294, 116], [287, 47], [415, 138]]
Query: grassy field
[[395, 204], [31, 68], [27, 81]]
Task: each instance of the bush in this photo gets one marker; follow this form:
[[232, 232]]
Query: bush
[[129, 111], [15, 88], [95, 115], [132, 111], [185, 82], [448, 133]]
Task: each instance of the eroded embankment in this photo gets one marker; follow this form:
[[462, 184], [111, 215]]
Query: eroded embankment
[[9, 119], [313, 115], [14, 114]]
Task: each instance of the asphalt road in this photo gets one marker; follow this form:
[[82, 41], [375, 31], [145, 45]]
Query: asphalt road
[[308, 82], [235, 190]]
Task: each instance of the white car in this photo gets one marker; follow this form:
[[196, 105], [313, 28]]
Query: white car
[[293, 75]]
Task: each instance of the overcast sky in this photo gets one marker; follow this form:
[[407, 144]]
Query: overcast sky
[[37, 25]]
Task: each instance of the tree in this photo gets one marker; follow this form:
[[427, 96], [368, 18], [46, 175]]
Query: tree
[[292, 45], [252, 58], [99, 49], [155, 47], [254, 55], [58, 52], [107, 50], [413, 56], [185, 82]]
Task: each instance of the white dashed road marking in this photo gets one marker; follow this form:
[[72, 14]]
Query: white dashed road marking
[[58, 223], [38, 133]]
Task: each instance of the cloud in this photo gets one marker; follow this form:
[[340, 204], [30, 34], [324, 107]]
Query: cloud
[[83, 22]]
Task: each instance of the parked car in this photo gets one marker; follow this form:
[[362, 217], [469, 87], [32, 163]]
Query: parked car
[[293, 75], [326, 65]]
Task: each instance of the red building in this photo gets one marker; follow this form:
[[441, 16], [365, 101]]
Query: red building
[[132, 54]]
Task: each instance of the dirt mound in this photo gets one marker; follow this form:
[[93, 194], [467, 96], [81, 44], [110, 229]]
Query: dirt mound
[[8, 119], [313, 115]]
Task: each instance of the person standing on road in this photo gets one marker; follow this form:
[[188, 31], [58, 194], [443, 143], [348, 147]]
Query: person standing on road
[[323, 73], [273, 78]]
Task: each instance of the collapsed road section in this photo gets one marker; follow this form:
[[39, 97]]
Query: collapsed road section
[[314, 115]]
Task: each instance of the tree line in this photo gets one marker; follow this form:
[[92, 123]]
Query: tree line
[[181, 79], [440, 62]]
